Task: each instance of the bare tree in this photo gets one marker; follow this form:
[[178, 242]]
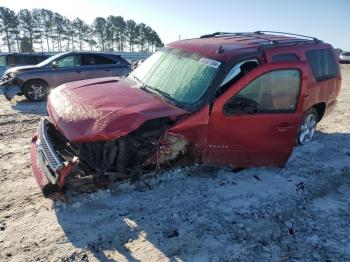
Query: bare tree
[[131, 32], [100, 30], [37, 26], [47, 23], [28, 24], [80, 29], [8, 24]]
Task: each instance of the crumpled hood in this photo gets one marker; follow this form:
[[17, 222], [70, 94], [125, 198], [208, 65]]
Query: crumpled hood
[[104, 109]]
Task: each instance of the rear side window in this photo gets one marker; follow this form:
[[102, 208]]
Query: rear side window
[[96, 60], [285, 57], [323, 64]]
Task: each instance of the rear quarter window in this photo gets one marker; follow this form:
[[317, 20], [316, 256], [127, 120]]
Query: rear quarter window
[[285, 57], [92, 59], [322, 63]]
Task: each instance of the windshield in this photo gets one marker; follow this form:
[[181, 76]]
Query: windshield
[[177, 75], [49, 60]]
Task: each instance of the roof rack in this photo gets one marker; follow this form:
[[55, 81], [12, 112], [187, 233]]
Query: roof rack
[[225, 34], [270, 43], [252, 34], [291, 34]]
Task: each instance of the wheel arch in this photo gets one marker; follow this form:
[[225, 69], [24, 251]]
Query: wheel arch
[[34, 79], [321, 109]]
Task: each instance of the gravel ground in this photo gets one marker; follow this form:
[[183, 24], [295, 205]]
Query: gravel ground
[[199, 213]]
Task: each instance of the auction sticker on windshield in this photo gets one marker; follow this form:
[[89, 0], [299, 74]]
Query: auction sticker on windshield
[[209, 62]]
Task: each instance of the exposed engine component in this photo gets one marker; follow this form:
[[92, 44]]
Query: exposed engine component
[[129, 157]]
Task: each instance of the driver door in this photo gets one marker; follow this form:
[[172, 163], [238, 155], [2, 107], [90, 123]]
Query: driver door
[[255, 122], [66, 69]]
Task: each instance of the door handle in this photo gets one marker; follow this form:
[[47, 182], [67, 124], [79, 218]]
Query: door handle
[[78, 71], [283, 127], [107, 70]]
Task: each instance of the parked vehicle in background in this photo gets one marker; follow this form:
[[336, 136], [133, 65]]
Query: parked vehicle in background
[[238, 99], [35, 82], [8, 60], [344, 57]]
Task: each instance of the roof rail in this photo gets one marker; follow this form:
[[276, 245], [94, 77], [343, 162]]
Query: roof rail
[[225, 33], [291, 34], [279, 43]]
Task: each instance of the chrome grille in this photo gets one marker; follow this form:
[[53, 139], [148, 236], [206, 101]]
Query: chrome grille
[[46, 146]]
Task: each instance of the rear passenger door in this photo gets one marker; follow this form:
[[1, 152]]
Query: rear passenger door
[[255, 122], [94, 65]]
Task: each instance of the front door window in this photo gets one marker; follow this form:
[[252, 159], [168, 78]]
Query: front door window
[[69, 61], [276, 91]]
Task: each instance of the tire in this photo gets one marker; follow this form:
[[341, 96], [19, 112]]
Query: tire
[[35, 90], [307, 127]]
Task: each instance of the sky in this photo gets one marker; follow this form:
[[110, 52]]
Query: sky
[[327, 20]]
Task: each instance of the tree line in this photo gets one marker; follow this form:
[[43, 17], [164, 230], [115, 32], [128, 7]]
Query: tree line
[[44, 30]]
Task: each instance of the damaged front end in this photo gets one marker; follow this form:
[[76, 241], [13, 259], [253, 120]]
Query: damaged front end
[[10, 86], [86, 166]]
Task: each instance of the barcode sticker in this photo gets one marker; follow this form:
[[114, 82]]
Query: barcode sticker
[[209, 62]]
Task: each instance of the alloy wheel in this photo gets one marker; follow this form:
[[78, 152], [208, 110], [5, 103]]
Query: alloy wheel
[[36, 91], [307, 129]]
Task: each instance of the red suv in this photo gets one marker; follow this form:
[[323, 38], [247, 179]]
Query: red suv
[[239, 99]]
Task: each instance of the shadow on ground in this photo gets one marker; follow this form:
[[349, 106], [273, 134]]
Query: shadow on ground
[[24, 106]]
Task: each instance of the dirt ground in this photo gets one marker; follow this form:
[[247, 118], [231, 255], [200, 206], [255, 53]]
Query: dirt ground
[[199, 213]]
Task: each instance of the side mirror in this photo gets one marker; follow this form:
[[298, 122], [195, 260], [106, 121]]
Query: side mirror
[[241, 105], [54, 65]]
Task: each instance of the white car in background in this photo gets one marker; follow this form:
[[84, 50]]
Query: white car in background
[[344, 57]]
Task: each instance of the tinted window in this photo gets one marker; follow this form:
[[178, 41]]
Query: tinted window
[[323, 63], [69, 61], [285, 57], [96, 60], [11, 60], [26, 60], [3, 60], [40, 58], [236, 73], [273, 91], [121, 60]]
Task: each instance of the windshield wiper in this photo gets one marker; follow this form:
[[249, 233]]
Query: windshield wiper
[[137, 79], [161, 92]]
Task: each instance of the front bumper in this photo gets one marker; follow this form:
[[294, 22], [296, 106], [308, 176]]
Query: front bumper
[[39, 170], [48, 168], [10, 88]]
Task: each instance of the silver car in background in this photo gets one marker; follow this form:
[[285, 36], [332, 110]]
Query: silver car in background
[[344, 57], [34, 82]]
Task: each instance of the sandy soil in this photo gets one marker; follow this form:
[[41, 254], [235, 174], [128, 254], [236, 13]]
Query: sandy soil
[[200, 213]]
